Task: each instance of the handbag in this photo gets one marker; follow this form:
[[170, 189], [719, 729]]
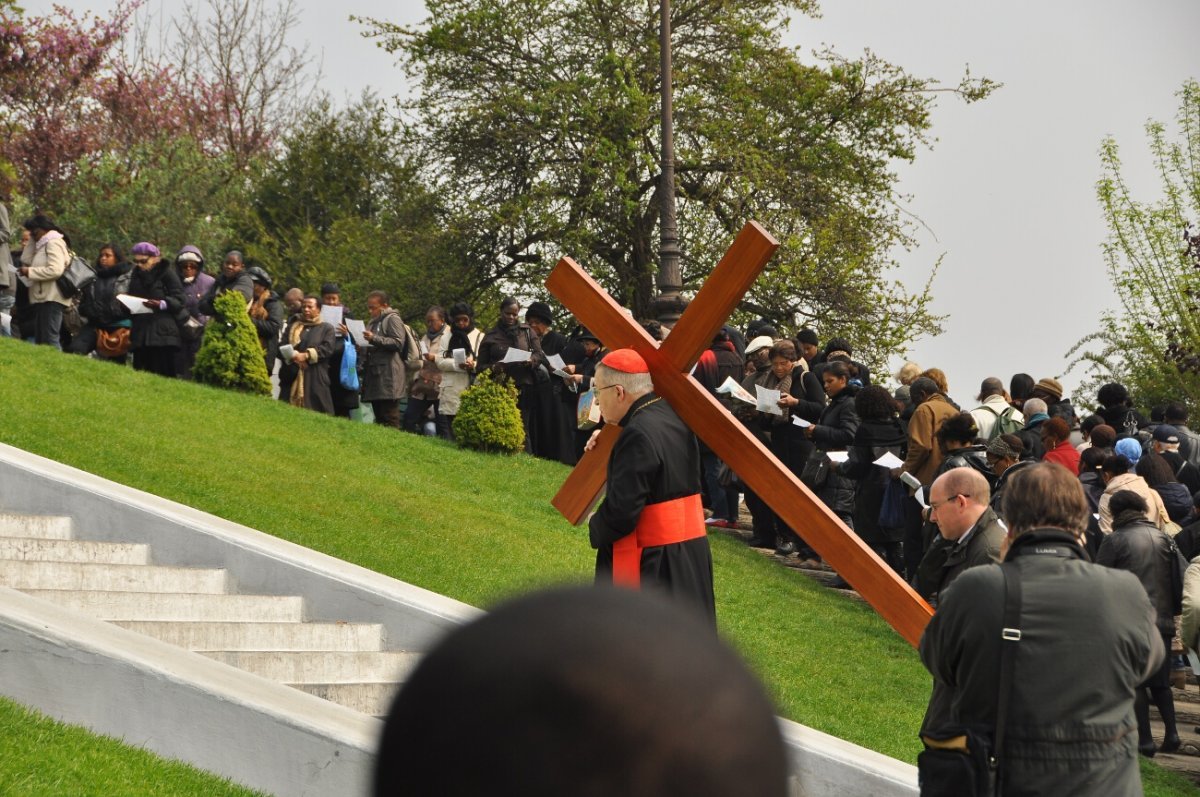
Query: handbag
[[1178, 567], [111, 343], [816, 470], [349, 372], [962, 762], [77, 276], [428, 384], [891, 509]]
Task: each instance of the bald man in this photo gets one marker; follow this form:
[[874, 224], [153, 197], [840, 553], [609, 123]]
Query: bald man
[[969, 531]]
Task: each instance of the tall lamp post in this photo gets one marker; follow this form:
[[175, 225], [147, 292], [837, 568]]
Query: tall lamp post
[[668, 305]]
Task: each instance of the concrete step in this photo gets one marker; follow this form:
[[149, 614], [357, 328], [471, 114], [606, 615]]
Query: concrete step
[[177, 606], [321, 667], [49, 527], [113, 578], [374, 698], [30, 549], [262, 636]]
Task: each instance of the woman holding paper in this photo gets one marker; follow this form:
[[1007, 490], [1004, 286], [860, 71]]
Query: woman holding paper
[[834, 433], [155, 301], [457, 363], [512, 349], [879, 435], [44, 259]]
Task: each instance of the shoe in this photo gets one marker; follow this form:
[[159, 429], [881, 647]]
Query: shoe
[[840, 583], [1170, 744], [785, 549], [715, 521], [759, 542], [1148, 750]]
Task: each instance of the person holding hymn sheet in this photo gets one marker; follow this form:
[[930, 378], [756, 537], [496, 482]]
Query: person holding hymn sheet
[[308, 343], [504, 342], [650, 528], [385, 379]]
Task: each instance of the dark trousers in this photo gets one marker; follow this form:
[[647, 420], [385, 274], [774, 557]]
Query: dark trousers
[[914, 542], [155, 359], [47, 323], [723, 501], [414, 414], [387, 413]]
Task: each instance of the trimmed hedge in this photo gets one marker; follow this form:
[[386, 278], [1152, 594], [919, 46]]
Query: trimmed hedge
[[230, 355], [488, 418]]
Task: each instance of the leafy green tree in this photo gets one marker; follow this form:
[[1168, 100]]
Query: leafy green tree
[[166, 190], [230, 355], [1152, 344], [541, 119], [344, 202]]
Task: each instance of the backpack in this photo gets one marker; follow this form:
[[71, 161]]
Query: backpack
[[1005, 423]]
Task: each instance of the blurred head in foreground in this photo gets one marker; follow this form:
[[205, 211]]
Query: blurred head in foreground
[[587, 691]]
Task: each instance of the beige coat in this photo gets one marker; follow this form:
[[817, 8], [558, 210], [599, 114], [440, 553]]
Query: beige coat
[[924, 451], [1131, 481], [454, 379], [1189, 623], [46, 264]]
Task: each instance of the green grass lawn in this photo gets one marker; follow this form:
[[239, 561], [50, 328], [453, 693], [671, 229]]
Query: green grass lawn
[[44, 757], [477, 528]]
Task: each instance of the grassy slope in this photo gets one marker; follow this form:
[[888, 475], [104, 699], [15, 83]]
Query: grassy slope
[[477, 528], [44, 757]]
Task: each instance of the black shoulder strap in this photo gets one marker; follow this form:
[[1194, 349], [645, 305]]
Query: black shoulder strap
[[1010, 634]]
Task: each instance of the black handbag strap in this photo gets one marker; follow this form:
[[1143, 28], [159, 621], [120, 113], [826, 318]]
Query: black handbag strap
[[1010, 635]]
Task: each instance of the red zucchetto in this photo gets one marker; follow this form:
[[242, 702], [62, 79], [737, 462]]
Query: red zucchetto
[[626, 361]]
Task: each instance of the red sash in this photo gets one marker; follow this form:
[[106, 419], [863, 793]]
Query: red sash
[[665, 523]]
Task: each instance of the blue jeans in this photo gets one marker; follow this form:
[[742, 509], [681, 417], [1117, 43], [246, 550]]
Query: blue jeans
[[724, 500], [47, 323]]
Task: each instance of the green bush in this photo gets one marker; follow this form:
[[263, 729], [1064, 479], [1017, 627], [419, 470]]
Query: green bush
[[231, 355], [488, 418]]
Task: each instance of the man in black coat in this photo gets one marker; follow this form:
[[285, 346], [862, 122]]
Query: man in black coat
[[650, 528]]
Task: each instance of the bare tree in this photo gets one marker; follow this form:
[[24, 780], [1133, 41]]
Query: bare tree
[[241, 49]]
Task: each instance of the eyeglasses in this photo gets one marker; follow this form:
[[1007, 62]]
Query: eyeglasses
[[933, 505], [141, 261], [606, 387]]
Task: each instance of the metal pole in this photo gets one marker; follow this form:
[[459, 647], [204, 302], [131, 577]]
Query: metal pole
[[668, 306]]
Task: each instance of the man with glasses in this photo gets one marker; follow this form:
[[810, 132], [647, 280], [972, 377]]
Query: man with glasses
[[650, 529], [969, 532]]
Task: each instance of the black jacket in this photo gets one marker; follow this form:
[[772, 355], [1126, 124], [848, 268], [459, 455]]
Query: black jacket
[[946, 559], [98, 302], [872, 440], [158, 327], [971, 457], [1138, 546], [835, 432], [269, 328]]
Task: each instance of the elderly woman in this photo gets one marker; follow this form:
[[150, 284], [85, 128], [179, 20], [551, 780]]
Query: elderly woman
[[303, 375], [154, 339], [189, 265], [43, 261]]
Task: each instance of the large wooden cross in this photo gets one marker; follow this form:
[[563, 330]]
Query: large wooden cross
[[670, 366]]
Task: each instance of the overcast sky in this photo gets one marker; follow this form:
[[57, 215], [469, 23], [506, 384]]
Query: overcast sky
[[1007, 191]]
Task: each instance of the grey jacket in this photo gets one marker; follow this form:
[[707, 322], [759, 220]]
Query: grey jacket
[[1088, 639], [383, 363]]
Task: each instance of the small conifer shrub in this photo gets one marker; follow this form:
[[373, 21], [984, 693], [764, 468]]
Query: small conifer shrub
[[230, 355], [488, 418]]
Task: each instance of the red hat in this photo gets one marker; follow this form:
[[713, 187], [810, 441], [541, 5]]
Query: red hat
[[627, 361]]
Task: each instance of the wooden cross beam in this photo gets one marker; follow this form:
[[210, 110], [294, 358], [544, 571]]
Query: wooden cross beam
[[770, 479]]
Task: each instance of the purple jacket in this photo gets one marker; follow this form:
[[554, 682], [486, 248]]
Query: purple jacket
[[192, 293]]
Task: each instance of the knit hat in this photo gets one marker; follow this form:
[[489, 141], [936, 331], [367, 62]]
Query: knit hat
[[144, 248], [626, 361], [759, 343], [998, 447], [1130, 449], [189, 254], [1050, 386], [539, 310]]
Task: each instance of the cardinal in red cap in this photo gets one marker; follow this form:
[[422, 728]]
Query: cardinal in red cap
[[650, 529]]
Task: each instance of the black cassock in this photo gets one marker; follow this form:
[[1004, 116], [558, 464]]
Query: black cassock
[[655, 466]]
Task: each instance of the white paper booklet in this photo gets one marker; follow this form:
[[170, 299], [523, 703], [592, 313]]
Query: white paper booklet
[[732, 388], [768, 400], [803, 424], [556, 362], [133, 303], [332, 315], [515, 355], [459, 355], [889, 461], [357, 328], [838, 456]]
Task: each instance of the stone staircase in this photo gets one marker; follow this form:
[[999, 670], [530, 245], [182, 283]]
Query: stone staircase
[[199, 609]]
